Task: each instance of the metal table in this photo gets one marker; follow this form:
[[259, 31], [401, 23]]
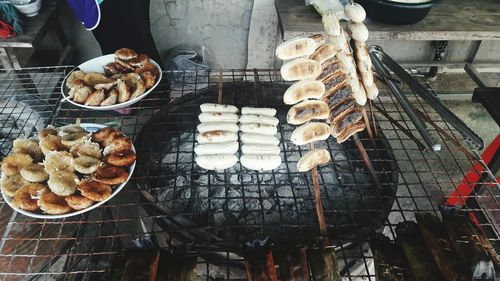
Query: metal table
[[84, 247]]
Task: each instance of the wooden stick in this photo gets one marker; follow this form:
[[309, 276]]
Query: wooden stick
[[318, 203], [219, 88], [368, 126], [367, 160], [372, 115]]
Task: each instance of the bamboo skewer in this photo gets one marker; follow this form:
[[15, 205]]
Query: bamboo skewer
[[367, 161], [318, 203], [372, 115], [219, 88], [368, 126]]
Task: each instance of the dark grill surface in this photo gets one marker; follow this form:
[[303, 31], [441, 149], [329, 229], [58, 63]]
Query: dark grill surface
[[149, 210]]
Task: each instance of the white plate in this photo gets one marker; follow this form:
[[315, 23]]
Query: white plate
[[91, 128], [97, 65]]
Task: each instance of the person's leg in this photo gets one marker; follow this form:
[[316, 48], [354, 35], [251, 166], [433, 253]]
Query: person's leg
[[125, 24]]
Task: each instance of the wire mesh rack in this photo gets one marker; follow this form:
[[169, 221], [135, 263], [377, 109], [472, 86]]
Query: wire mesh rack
[[84, 247]]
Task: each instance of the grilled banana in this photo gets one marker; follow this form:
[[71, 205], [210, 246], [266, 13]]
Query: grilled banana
[[300, 69], [307, 111], [264, 129], [218, 117], [214, 107], [295, 48], [216, 148], [216, 161], [310, 132], [260, 162], [312, 159], [304, 90]]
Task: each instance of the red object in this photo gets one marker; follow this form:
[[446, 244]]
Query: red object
[[465, 188], [6, 31]]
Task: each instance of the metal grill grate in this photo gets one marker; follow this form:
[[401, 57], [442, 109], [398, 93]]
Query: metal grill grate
[[84, 247]]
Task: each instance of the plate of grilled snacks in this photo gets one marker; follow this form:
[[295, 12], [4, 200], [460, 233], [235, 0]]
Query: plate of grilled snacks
[[112, 81], [66, 171]]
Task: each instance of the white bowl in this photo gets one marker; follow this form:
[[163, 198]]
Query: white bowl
[[27, 8], [91, 127], [97, 65]]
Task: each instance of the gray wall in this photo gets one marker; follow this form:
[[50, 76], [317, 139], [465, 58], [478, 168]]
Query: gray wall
[[222, 26]]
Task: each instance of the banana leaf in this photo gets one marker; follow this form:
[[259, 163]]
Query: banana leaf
[[417, 255], [293, 265], [434, 234], [466, 242], [323, 262], [178, 267], [390, 264]]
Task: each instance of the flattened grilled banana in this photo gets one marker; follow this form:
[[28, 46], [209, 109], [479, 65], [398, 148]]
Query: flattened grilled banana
[[217, 137], [216, 148], [310, 132], [262, 119], [295, 48], [260, 149], [312, 159], [259, 111], [216, 161], [257, 128], [304, 90], [306, 111], [214, 107], [217, 126], [252, 138], [300, 69], [58, 161], [28, 146], [11, 184], [218, 117], [260, 162], [85, 164]]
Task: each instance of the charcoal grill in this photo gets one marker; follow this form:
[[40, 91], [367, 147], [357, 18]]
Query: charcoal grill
[[83, 247]]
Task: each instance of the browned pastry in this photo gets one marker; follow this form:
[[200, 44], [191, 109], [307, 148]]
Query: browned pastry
[[95, 190], [148, 78], [148, 67], [105, 85], [102, 134], [111, 136], [95, 98], [23, 198], [111, 98], [111, 69], [80, 94], [118, 145], [53, 204], [125, 65], [123, 159], [139, 61], [51, 143], [125, 54], [351, 130], [12, 164], [94, 78], [329, 67], [46, 132], [111, 175], [78, 202], [123, 91]]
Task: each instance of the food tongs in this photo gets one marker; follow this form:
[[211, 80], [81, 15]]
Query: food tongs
[[383, 64]]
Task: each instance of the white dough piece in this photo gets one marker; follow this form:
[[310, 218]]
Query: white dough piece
[[252, 138], [217, 126], [355, 12], [257, 128], [214, 107], [217, 137], [260, 162], [216, 161], [218, 117], [267, 111], [358, 31], [216, 148], [260, 149], [262, 119]]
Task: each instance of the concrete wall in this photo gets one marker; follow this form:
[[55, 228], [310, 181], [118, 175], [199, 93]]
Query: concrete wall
[[219, 25], [222, 26]]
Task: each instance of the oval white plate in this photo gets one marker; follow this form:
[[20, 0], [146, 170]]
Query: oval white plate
[[96, 65], [91, 127]]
